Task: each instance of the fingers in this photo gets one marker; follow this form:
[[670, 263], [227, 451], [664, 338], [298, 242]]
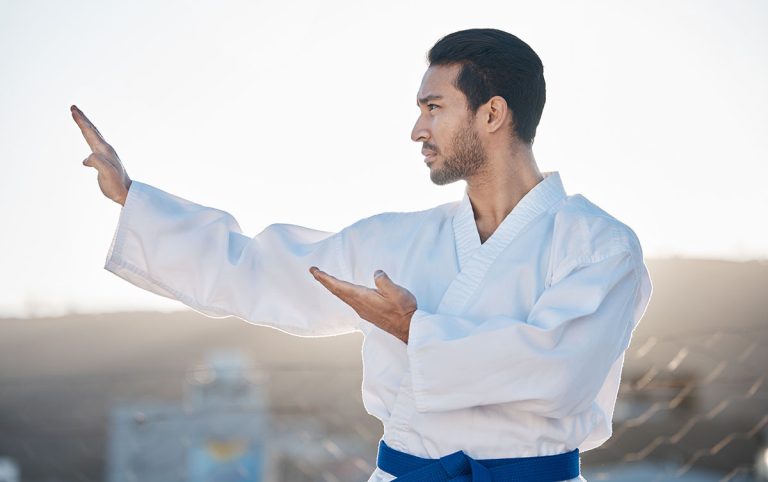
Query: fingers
[[92, 135], [343, 289]]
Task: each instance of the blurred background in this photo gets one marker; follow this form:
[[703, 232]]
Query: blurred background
[[300, 112]]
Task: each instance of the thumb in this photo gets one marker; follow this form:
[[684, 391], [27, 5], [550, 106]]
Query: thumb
[[93, 161], [382, 281], [102, 165]]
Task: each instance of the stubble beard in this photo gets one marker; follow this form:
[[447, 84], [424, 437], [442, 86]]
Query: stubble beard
[[468, 158]]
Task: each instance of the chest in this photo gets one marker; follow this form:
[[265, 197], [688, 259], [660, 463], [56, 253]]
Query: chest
[[476, 285], [472, 282]]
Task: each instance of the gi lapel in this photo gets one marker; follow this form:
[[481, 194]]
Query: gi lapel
[[476, 258]]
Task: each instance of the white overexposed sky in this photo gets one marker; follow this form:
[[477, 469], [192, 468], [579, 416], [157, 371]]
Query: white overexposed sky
[[301, 112]]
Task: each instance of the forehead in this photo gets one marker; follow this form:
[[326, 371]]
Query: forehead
[[439, 80]]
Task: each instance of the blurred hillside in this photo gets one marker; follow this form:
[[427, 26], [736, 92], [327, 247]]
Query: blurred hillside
[[693, 396]]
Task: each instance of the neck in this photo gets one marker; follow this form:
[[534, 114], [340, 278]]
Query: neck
[[508, 176]]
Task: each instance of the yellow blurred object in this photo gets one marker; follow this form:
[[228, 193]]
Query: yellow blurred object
[[223, 450]]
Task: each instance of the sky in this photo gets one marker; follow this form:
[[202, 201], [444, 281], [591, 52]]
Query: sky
[[301, 112]]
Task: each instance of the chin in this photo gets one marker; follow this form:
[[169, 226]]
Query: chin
[[438, 178]]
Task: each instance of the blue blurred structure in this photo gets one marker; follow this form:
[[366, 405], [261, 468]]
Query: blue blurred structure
[[220, 432], [9, 471]]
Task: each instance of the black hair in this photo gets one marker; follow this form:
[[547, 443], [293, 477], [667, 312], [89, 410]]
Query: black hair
[[494, 62]]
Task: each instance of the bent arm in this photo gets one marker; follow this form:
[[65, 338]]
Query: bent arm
[[198, 255], [554, 363]]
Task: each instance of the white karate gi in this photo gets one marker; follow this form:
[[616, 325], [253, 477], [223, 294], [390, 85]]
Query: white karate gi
[[517, 345]]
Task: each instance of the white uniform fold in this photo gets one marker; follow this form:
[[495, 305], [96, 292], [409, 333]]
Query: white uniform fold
[[517, 345], [571, 332], [199, 256]]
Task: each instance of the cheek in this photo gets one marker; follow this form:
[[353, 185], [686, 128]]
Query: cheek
[[442, 131], [446, 135], [449, 123]]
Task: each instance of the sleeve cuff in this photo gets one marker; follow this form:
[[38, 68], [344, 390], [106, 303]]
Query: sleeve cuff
[[125, 258], [416, 337], [416, 329], [135, 192]]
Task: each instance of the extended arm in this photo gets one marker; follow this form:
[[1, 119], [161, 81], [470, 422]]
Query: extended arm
[[199, 256]]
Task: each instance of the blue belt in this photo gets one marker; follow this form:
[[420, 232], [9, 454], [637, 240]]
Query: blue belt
[[459, 467]]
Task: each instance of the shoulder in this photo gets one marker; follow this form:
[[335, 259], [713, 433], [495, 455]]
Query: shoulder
[[382, 240], [585, 233], [392, 222]]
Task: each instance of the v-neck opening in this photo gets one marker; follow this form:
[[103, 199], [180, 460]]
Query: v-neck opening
[[534, 202], [475, 258]]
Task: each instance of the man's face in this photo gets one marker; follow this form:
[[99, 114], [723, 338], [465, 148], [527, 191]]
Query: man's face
[[445, 126]]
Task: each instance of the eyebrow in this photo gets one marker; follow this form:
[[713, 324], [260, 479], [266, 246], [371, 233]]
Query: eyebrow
[[428, 98]]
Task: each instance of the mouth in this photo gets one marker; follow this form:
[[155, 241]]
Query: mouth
[[428, 156]]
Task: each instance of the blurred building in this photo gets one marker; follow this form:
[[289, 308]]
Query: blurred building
[[219, 433], [223, 431]]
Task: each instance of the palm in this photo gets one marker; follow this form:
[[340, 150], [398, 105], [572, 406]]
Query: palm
[[389, 306]]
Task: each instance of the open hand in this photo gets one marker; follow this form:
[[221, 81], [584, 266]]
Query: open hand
[[390, 306], [113, 180]]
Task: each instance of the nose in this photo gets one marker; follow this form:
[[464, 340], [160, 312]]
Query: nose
[[420, 132]]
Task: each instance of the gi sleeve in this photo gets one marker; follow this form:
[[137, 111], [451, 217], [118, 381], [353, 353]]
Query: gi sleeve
[[553, 363], [199, 256]]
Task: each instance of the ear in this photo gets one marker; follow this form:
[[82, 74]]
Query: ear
[[496, 114]]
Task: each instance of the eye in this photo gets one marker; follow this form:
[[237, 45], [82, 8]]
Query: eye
[[430, 106]]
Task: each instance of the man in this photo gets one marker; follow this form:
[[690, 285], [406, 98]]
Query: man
[[494, 327]]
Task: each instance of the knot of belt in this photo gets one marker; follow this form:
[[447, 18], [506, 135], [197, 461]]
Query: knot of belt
[[460, 467]]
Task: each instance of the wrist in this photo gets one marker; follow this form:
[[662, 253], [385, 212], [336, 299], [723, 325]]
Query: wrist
[[122, 199]]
